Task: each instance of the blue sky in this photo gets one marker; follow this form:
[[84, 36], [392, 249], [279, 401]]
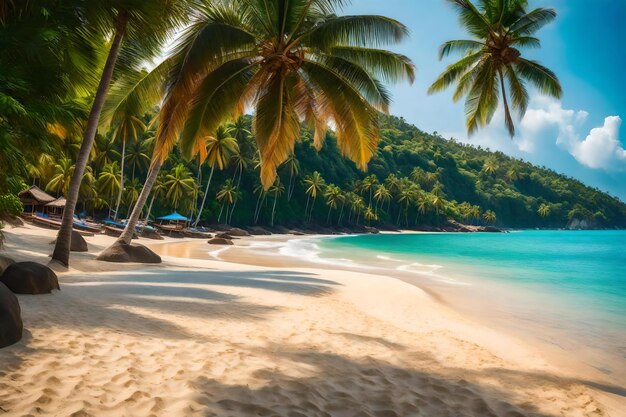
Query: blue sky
[[579, 135]]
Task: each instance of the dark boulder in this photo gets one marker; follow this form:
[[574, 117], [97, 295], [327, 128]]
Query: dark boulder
[[220, 241], [259, 231], [151, 234], [122, 252], [223, 235], [11, 326], [30, 278], [78, 242], [4, 263], [235, 231]]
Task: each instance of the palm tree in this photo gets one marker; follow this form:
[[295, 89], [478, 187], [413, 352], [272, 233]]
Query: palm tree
[[106, 151], [158, 191], [137, 156], [544, 210], [128, 128], [226, 195], [314, 184], [490, 167], [131, 192], [489, 216], [109, 182], [293, 166], [60, 182], [144, 26], [239, 161], [179, 183], [276, 190], [513, 174], [219, 147], [290, 64], [333, 196], [500, 29], [367, 186], [381, 195], [370, 215], [260, 190]]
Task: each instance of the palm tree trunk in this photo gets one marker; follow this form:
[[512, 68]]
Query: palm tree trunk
[[508, 120], [328, 217], [341, 213], [291, 186], [306, 209], [274, 208], [150, 209], [119, 193], [232, 210], [129, 230], [399, 214], [206, 191], [220, 215], [312, 207], [61, 251], [257, 208]]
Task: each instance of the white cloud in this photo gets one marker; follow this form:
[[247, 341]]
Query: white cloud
[[602, 148], [548, 128]]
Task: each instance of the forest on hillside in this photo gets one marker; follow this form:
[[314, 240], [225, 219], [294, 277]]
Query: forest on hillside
[[414, 180]]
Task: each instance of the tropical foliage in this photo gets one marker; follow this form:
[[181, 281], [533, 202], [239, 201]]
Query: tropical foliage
[[493, 59]]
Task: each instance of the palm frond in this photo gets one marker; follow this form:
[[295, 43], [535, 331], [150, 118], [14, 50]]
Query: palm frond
[[533, 21], [384, 65], [462, 45], [454, 72], [541, 77]]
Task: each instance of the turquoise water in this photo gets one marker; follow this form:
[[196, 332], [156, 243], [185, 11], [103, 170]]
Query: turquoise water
[[568, 287]]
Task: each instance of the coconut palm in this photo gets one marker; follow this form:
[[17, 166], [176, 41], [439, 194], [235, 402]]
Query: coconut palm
[[60, 181], [239, 161], [489, 216], [490, 167], [142, 27], [158, 191], [333, 197], [138, 156], [370, 215], [179, 183], [381, 195], [226, 195], [499, 30], [277, 189], [314, 184], [544, 210], [128, 128], [368, 185], [291, 64], [218, 148], [293, 166], [106, 151], [109, 182], [260, 190]]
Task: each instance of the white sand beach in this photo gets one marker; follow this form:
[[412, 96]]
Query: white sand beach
[[254, 335]]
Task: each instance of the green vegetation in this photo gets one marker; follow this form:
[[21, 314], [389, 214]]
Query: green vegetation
[[414, 179]]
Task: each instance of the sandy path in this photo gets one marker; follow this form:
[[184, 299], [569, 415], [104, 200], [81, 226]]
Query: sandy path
[[206, 338]]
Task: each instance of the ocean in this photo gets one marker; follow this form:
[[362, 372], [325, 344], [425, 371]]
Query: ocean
[[564, 288]]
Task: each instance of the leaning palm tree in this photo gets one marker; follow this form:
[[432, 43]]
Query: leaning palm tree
[[218, 148], [333, 196], [141, 27], [314, 185], [60, 181], [500, 29], [277, 189], [290, 64]]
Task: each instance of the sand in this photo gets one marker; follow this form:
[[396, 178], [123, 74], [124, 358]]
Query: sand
[[271, 337]]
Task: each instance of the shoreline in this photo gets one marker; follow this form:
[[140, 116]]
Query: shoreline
[[287, 316]]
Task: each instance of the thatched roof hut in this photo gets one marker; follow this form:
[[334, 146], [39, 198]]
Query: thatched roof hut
[[35, 199]]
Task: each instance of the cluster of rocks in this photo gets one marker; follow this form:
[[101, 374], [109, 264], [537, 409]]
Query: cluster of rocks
[[20, 278], [454, 226]]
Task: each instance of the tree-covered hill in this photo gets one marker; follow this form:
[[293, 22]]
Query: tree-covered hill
[[414, 180]]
